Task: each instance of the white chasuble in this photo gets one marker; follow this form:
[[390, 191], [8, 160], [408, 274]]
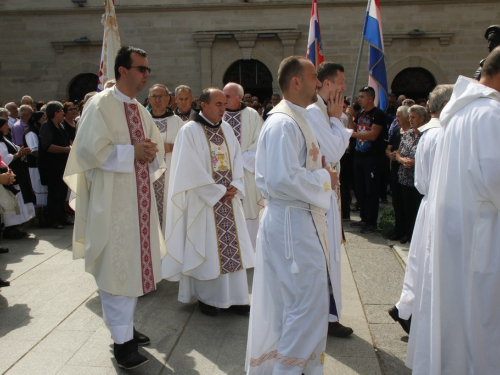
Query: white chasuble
[[290, 300], [459, 304], [168, 126], [247, 124], [333, 140], [116, 222], [205, 237]]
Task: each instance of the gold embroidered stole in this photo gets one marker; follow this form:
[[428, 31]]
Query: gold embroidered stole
[[225, 224], [313, 162]]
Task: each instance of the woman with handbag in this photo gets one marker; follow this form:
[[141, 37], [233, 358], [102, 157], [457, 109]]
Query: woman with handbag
[[7, 201]]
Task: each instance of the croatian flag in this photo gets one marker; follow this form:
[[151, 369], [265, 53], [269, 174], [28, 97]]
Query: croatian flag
[[376, 64], [314, 45], [110, 44]]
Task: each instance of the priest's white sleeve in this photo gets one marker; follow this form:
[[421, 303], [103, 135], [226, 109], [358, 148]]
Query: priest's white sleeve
[[280, 166], [332, 136], [4, 152], [486, 169]]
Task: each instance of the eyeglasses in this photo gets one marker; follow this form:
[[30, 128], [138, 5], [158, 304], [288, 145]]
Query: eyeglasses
[[72, 109], [159, 97], [141, 69]]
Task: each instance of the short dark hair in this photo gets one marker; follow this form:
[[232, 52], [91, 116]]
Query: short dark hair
[[491, 66], [66, 106], [290, 67], [52, 108], [206, 95], [123, 58], [329, 69], [276, 95], [369, 90]]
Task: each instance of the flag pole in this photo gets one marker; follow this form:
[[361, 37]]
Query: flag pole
[[359, 56]]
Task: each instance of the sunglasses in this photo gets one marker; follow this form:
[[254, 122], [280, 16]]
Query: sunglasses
[[141, 69]]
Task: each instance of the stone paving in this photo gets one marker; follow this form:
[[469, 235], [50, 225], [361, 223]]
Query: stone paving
[[50, 321]]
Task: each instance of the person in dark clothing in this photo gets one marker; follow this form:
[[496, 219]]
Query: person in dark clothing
[[492, 35], [402, 116], [52, 156], [69, 122], [370, 131]]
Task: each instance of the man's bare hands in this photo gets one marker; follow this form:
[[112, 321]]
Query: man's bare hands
[[7, 178], [230, 193], [145, 150], [334, 176], [335, 104], [169, 147]]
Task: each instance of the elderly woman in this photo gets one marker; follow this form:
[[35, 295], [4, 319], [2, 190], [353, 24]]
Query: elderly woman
[[403, 122], [406, 174], [31, 140], [52, 156], [69, 122], [13, 156]]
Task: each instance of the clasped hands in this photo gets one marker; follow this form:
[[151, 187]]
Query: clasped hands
[[334, 175], [7, 178], [230, 193], [145, 150]]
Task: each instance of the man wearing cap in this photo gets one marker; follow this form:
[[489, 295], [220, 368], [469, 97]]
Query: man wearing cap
[[492, 35]]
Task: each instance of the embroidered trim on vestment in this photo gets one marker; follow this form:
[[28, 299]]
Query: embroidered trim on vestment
[[143, 197], [225, 225], [284, 360], [234, 119]]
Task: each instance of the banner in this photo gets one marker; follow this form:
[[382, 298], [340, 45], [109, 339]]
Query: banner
[[314, 45], [110, 44]]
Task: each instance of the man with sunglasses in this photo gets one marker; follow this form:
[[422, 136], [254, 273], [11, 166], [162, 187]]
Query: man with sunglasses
[[117, 155]]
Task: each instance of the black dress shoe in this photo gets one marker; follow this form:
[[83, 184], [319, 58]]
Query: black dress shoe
[[358, 224], [4, 250], [336, 329], [127, 355], [240, 309], [207, 309], [12, 233], [368, 229], [403, 240], [141, 339], [4, 283], [405, 324]]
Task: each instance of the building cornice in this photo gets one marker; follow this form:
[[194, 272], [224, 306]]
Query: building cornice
[[183, 7]]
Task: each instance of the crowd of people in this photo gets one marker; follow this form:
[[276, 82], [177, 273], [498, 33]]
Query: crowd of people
[[174, 190]]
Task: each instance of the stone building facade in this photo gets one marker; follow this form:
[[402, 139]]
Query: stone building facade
[[51, 48]]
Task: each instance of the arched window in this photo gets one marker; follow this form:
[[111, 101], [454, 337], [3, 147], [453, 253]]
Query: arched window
[[81, 85], [415, 83], [253, 75]]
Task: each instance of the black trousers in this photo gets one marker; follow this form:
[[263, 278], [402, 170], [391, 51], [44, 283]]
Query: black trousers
[[57, 192], [411, 203], [345, 178], [367, 177]]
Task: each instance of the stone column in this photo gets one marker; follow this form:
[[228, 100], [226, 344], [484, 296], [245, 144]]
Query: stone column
[[288, 40], [205, 43], [246, 43]]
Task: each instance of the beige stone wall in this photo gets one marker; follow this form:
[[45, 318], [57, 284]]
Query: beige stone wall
[[29, 64]]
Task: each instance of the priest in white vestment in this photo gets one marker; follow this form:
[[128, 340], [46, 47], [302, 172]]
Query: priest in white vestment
[[458, 331], [290, 299], [324, 116], [424, 159], [247, 125], [184, 98], [168, 124], [115, 158], [208, 246]]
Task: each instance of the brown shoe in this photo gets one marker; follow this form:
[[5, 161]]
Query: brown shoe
[[336, 329]]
